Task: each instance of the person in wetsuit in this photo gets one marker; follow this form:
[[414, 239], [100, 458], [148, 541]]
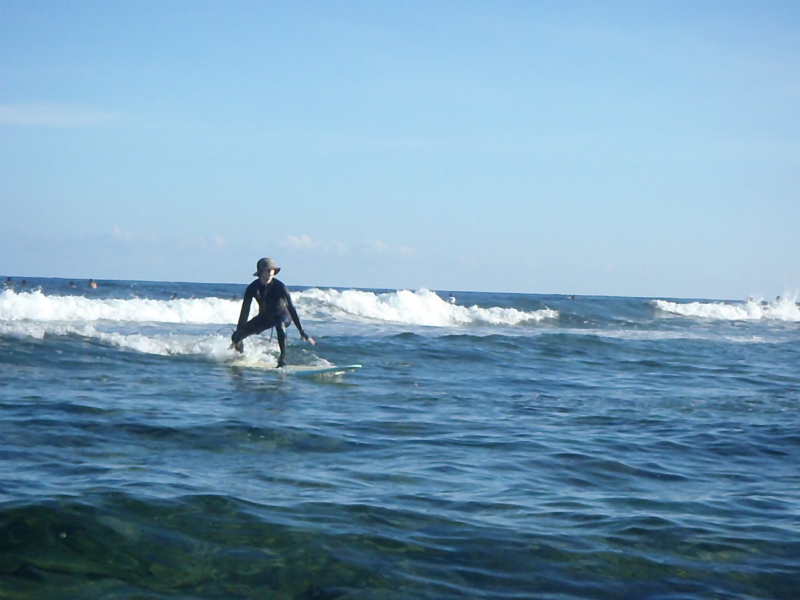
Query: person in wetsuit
[[275, 309]]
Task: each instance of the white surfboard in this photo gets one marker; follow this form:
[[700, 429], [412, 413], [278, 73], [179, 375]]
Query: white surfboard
[[308, 370], [258, 362]]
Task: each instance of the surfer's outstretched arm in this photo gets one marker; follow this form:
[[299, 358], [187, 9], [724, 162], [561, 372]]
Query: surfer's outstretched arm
[[296, 320]]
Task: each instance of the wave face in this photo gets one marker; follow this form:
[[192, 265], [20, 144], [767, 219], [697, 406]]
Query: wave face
[[782, 309], [505, 446], [413, 308], [120, 321]]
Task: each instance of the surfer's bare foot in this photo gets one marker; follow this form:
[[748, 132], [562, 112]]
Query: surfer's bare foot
[[281, 362], [238, 346]]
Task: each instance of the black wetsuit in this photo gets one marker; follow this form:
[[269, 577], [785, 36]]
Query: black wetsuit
[[275, 309]]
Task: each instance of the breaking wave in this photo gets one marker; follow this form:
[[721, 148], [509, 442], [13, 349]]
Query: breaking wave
[[782, 309], [403, 307]]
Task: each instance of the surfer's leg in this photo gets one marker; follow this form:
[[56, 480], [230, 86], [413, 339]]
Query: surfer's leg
[[255, 325], [280, 329], [282, 322]]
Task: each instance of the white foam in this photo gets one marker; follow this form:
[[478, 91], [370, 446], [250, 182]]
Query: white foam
[[783, 309], [259, 351], [422, 307], [187, 326], [36, 306]]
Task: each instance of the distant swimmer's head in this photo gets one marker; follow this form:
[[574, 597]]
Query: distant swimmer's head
[[264, 265]]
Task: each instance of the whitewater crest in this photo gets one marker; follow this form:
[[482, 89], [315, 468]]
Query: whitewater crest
[[261, 352], [36, 306], [422, 307], [203, 326], [782, 309]]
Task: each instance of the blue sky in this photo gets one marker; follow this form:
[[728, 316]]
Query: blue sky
[[614, 148]]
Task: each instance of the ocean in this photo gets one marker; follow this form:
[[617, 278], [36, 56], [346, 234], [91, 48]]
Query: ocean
[[505, 446]]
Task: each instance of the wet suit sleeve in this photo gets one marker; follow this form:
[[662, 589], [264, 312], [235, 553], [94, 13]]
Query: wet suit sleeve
[[293, 312]]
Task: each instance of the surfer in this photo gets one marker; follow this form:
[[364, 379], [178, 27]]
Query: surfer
[[275, 309]]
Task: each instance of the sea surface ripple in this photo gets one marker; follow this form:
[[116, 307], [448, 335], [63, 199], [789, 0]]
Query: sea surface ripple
[[508, 446]]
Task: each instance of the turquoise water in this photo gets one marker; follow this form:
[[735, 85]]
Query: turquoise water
[[508, 446]]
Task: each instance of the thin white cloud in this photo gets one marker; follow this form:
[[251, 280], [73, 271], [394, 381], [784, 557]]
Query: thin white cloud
[[304, 242], [121, 235], [301, 242], [336, 248], [59, 116], [376, 246], [154, 240], [381, 247], [215, 242], [372, 247]]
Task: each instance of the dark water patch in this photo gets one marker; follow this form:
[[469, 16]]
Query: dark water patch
[[214, 547], [604, 471], [77, 406], [407, 336], [223, 437], [562, 346], [198, 548]]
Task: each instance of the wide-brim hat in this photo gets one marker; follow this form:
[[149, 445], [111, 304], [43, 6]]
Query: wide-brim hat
[[266, 264]]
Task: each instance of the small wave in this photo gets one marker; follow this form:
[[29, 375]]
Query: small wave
[[405, 307], [260, 352], [36, 306], [422, 307], [783, 309]]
